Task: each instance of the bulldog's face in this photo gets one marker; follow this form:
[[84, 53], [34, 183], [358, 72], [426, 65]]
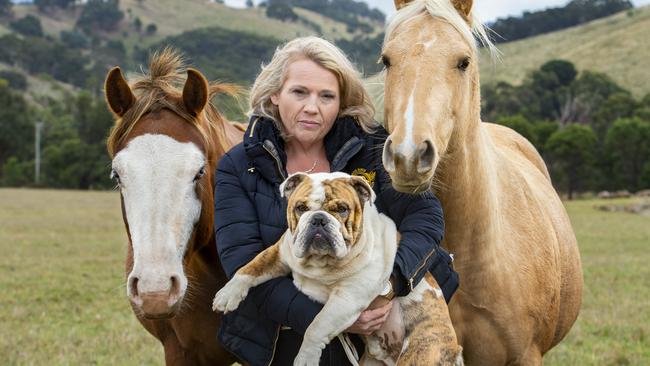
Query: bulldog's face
[[325, 212]]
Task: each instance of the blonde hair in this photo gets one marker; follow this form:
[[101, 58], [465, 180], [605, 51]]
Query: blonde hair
[[355, 100]]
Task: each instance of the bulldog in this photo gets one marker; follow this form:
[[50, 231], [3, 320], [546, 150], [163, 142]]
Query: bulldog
[[341, 250]]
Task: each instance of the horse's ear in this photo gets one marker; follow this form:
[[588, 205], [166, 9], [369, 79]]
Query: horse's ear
[[195, 92], [464, 7], [400, 3], [118, 93]]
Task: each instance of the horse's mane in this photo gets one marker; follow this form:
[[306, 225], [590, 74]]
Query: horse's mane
[[162, 87], [444, 9]]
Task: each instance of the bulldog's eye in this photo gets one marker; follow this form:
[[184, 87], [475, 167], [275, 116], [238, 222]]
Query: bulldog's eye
[[199, 174], [301, 209], [342, 210]]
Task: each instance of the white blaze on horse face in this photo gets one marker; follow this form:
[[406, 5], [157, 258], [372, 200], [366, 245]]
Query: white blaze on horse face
[[407, 147], [157, 185]]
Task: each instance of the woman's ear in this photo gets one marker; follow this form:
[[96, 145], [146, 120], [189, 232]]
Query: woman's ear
[[274, 98]]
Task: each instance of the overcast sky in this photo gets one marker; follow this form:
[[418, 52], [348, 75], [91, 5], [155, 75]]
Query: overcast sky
[[487, 10]]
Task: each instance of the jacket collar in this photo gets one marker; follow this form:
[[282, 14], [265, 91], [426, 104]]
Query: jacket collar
[[265, 147]]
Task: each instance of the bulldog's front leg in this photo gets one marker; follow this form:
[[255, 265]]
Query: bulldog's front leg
[[265, 266], [340, 311]]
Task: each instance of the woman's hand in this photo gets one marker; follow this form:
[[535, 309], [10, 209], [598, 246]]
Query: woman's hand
[[372, 318]]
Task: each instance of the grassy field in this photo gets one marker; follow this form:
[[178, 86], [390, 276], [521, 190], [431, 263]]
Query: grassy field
[[62, 298]]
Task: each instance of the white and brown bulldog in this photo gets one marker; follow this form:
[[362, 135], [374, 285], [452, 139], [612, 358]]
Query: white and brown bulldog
[[341, 250]]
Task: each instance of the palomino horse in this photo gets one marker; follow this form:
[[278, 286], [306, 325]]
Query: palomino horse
[[516, 253], [165, 144]]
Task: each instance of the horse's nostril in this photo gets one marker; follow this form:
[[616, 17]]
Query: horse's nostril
[[133, 286], [427, 154], [175, 288]]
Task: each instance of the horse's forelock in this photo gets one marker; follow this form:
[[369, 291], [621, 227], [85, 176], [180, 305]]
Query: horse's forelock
[[472, 32], [162, 87]]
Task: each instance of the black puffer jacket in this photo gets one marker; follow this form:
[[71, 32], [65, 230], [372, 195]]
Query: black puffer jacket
[[250, 216]]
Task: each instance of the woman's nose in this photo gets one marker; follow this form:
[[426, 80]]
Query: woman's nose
[[311, 105]]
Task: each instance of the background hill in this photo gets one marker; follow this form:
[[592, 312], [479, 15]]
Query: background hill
[[574, 84], [617, 45]]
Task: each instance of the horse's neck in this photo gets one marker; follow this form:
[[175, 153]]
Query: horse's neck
[[469, 195]]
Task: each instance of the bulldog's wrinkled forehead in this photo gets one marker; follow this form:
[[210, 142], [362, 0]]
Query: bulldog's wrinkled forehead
[[323, 187]]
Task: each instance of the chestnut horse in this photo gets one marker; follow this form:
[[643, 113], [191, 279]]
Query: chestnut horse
[[165, 144], [516, 253]]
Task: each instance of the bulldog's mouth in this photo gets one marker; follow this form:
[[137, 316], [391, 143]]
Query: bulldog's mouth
[[319, 242]]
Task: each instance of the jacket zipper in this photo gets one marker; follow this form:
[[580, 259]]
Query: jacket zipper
[[275, 343], [253, 127], [419, 268], [278, 164]]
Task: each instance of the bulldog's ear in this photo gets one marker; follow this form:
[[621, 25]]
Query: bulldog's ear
[[365, 192], [289, 185], [400, 3]]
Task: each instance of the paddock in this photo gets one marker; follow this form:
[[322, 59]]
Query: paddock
[[63, 298]]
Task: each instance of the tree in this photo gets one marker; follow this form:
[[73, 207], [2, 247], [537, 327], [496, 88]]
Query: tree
[[565, 71], [44, 5], [6, 7], [137, 24], [100, 14], [250, 4], [618, 105], [15, 79], [280, 9], [151, 29], [572, 152], [16, 125], [28, 26], [628, 144]]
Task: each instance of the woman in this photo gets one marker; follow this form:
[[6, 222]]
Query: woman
[[310, 113]]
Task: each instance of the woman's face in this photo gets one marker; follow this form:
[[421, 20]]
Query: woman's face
[[308, 102]]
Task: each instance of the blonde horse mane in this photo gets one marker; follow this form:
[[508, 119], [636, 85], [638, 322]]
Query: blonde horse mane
[[162, 88], [473, 33]]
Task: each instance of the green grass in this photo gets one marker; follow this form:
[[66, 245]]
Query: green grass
[[63, 302], [617, 45]]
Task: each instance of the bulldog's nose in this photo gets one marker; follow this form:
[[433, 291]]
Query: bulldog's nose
[[318, 219]]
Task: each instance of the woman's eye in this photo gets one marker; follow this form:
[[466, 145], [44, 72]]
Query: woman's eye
[[298, 92]]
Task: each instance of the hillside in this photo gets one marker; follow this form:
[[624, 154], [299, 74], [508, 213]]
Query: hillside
[[172, 19], [618, 46]]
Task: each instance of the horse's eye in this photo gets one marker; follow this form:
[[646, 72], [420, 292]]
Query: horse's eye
[[200, 174], [463, 64], [385, 60], [114, 176]]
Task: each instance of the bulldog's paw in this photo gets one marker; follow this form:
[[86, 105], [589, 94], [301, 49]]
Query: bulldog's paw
[[307, 357], [231, 295]]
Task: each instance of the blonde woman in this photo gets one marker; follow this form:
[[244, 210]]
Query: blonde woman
[[310, 113]]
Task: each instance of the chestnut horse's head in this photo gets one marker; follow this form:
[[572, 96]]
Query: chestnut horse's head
[[431, 86], [164, 145]]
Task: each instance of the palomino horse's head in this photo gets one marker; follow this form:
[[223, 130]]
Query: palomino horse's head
[[431, 86], [164, 147]]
